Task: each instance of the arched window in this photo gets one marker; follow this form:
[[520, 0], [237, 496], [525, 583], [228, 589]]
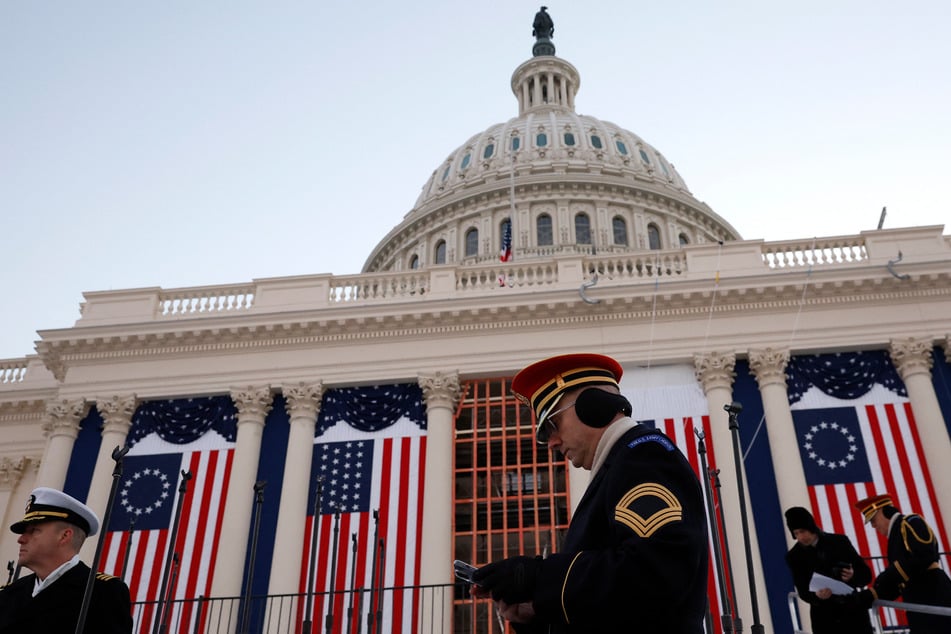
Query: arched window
[[653, 236], [620, 230], [621, 147], [440, 252], [489, 151], [569, 138], [543, 230], [414, 262], [595, 141], [684, 240], [582, 229], [472, 242], [516, 143], [541, 139], [465, 161]]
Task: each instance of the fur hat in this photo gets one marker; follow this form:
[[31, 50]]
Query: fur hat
[[798, 517]]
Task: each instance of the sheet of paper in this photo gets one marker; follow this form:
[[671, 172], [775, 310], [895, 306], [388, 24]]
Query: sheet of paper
[[818, 582]]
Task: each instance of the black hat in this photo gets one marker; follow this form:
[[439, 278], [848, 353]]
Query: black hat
[[798, 517]]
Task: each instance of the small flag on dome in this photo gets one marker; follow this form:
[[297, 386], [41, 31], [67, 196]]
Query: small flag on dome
[[505, 253]]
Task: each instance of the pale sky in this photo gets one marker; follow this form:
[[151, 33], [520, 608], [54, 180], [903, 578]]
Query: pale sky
[[189, 143]]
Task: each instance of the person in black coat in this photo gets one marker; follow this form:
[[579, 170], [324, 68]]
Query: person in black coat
[[913, 571], [831, 555], [49, 600], [635, 556]]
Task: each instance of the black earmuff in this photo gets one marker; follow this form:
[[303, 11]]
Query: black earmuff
[[597, 408]]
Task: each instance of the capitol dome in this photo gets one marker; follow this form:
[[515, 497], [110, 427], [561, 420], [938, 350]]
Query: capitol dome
[[566, 182]]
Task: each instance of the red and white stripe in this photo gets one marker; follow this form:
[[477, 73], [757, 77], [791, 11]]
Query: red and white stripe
[[397, 491]]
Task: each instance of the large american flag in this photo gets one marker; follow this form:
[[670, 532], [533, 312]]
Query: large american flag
[[668, 398], [858, 437], [369, 459], [166, 438]]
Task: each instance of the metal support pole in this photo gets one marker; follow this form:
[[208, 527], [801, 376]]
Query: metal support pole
[[243, 624], [307, 625], [117, 455], [376, 532], [333, 574], [726, 614], [160, 625], [128, 547], [734, 409]]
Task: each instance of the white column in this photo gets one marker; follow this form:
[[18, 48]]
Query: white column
[[62, 428], [715, 373], [116, 415], [253, 405], [913, 359], [303, 403], [16, 482], [769, 368], [442, 393]]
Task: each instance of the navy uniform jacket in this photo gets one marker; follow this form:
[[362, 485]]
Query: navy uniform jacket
[[635, 554], [913, 573], [55, 610], [835, 615]]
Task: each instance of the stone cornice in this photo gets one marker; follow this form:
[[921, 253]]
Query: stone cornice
[[676, 300]]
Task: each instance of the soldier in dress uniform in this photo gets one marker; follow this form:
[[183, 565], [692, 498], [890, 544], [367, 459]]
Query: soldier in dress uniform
[[635, 555], [833, 556], [913, 571], [49, 600]]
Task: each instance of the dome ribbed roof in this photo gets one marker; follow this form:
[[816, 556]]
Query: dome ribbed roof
[[592, 184]]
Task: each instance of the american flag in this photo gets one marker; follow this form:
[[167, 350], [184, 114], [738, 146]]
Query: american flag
[[505, 253], [369, 458], [858, 437], [669, 399], [168, 437]]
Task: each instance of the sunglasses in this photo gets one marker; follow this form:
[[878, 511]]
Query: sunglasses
[[549, 426]]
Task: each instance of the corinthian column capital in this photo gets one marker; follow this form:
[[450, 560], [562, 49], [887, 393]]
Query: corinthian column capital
[[117, 412], [12, 470], [715, 369], [303, 399], [441, 389], [769, 366], [911, 356], [63, 416], [252, 402]]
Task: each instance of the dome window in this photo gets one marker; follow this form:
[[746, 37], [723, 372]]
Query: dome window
[[543, 230], [569, 139], [619, 228], [582, 229], [653, 236], [414, 262], [663, 166], [472, 243], [489, 151], [541, 139], [684, 240], [645, 158], [445, 173], [596, 142], [440, 252], [465, 161], [621, 147], [516, 143]]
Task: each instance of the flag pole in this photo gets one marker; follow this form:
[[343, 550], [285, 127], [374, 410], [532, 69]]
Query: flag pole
[[246, 599], [308, 617], [726, 614], [733, 409], [379, 605], [376, 532], [128, 547], [353, 582], [160, 625], [117, 455], [333, 573]]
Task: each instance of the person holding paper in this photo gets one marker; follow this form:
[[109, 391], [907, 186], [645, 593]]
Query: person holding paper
[[826, 569]]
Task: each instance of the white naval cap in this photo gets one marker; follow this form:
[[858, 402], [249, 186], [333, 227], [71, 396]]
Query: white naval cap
[[48, 504]]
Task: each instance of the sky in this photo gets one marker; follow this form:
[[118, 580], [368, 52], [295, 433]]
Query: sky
[[184, 143]]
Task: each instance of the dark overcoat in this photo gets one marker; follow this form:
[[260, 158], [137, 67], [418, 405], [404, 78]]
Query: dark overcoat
[[837, 614], [635, 556], [55, 610]]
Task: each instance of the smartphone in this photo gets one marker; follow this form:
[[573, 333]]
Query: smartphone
[[463, 570]]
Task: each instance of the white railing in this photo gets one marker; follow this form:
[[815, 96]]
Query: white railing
[[205, 300], [377, 286], [12, 370], [818, 251]]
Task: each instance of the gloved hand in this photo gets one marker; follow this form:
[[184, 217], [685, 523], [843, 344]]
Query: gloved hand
[[511, 580]]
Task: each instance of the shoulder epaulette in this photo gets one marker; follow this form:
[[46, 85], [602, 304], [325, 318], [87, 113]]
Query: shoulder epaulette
[[660, 439], [101, 576]]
